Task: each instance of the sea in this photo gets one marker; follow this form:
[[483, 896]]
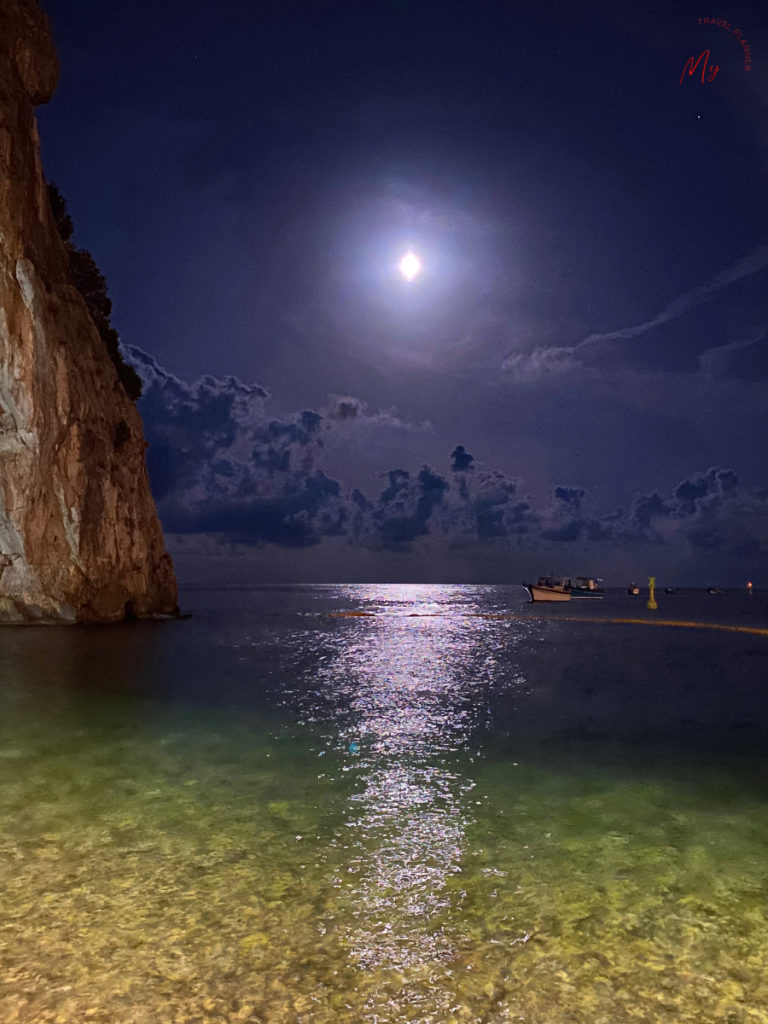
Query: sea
[[372, 804]]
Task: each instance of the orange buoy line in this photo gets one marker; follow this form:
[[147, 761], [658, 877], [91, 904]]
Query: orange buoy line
[[679, 623], [351, 615], [755, 630]]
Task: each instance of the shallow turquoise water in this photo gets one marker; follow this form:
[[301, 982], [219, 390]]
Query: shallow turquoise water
[[271, 813]]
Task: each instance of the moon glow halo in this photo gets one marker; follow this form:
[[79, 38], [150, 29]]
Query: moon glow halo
[[410, 266]]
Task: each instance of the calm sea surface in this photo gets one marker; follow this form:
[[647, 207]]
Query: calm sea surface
[[449, 806]]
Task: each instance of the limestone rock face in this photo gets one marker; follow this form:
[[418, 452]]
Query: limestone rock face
[[80, 540]]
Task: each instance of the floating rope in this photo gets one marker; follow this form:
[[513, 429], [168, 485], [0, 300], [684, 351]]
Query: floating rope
[[679, 623]]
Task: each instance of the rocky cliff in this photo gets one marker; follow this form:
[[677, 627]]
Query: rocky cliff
[[79, 536]]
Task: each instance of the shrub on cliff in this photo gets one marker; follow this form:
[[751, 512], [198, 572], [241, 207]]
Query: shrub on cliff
[[63, 221], [92, 285]]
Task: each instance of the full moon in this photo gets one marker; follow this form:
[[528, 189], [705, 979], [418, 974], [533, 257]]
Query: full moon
[[410, 266]]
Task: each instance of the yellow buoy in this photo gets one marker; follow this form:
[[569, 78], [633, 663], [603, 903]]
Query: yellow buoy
[[651, 605]]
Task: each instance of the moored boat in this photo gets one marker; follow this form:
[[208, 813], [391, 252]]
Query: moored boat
[[550, 588], [587, 586]]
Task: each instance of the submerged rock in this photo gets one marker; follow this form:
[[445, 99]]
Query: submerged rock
[[80, 540]]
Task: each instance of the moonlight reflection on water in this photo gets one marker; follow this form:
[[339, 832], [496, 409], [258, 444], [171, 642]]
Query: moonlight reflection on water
[[406, 694]]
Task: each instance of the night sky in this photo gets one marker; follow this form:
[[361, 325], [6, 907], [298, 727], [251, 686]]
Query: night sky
[[576, 382]]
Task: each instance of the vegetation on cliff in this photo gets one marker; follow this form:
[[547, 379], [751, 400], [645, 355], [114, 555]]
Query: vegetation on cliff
[[92, 285]]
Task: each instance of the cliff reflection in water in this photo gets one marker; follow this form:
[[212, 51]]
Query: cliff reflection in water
[[407, 691]]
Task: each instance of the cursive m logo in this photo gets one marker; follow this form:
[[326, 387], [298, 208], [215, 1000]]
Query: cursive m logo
[[690, 67]]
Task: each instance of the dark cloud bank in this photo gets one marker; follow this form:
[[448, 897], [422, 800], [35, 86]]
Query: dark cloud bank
[[229, 478]]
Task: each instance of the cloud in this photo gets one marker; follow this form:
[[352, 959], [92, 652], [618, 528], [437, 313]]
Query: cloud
[[496, 510], [194, 425], [411, 204], [579, 362], [348, 409], [220, 464], [755, 261], [571, 497], [564, 522], [717, 363], [222, 468], [462, 461], [710, 511], [646, 509], [546, 365], [404, 509]]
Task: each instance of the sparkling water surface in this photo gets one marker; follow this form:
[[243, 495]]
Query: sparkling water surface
[[387, 803]]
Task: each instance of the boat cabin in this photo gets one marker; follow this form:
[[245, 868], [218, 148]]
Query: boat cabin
[[554, 583], [586, 583]]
